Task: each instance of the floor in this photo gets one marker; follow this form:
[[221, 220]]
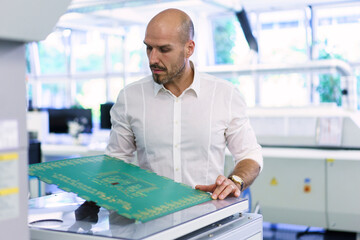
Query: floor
[[294, 232]]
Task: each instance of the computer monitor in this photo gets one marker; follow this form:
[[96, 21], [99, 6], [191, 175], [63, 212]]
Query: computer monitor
[[105, 122], [59, 119], [34, 151]]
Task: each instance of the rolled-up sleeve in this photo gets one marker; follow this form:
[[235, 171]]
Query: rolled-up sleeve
[[121, 142], [240, 137]]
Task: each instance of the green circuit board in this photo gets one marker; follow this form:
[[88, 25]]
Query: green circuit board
[[132, 192]]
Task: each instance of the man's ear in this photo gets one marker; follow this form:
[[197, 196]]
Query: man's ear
[[189, 48]]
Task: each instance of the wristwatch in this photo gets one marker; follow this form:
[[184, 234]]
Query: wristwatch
[[238, 180]]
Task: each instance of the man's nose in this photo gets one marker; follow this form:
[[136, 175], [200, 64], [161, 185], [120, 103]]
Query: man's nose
[[154, 56]]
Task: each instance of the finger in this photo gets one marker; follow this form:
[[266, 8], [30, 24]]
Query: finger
[[206, 188], [220, 188], [227, 191], [220, 179], [237, 192]]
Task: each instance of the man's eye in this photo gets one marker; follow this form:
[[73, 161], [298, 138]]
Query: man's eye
[[164, 50], [148, 48]]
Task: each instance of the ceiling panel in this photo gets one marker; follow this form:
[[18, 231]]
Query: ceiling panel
[[109, 14]]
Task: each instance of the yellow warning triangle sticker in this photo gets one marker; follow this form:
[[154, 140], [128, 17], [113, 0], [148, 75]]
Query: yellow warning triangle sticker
[[273, 182]]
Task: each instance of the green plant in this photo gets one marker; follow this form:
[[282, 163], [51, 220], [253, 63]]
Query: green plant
[[224, 32], [329, 84]]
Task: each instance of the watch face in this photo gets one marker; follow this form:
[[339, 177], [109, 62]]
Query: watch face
[[237, 179]]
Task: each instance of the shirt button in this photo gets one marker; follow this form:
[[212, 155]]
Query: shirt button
[[177, 169], [176, 145], [176, 122]]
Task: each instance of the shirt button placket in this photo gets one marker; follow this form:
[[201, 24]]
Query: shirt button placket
[[177, 140]]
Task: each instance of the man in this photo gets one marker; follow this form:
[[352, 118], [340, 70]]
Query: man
[[180, 121]]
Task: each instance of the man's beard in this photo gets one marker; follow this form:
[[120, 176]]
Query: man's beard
[[169, 77]]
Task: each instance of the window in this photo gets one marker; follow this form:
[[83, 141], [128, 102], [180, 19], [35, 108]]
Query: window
[[335, 31], [53, 95], [116, 45], [136, 53], [357, 72], [50, 82], [27, 56], [88, 49], [335, 39], [282, 90], [51, 53], [87, 68], [246, 86], [115, 85], [90, 94], [230, 46], [282, 37]]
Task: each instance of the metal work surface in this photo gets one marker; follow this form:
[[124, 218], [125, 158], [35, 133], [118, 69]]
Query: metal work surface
[[54, 217]]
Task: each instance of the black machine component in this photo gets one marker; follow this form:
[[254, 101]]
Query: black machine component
[[245, 25]]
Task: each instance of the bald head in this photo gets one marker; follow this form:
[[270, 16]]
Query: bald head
[[173, 20], [169, 46]]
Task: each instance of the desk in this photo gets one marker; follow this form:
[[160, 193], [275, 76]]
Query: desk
[[66, 145], [53, 150]]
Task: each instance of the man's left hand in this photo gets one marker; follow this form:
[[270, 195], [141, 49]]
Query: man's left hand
[[222, 188]]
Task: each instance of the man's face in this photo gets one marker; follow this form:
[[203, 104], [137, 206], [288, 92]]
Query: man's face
[[166, 55]]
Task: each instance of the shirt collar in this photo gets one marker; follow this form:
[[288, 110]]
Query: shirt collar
[[157, 87], [195, 86]]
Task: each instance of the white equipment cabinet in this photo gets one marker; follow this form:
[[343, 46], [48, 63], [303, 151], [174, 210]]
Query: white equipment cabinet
[[20, 22], [343, 192], [311, 167]]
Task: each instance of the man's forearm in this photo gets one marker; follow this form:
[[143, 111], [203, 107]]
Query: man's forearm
[[248, 170]]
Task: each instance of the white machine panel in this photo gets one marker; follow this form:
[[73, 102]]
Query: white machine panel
[[306, 127], [343, 187], [312, 187], [291, 189]]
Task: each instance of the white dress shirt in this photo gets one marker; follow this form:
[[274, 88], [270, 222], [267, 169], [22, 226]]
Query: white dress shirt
[[182, 138]]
